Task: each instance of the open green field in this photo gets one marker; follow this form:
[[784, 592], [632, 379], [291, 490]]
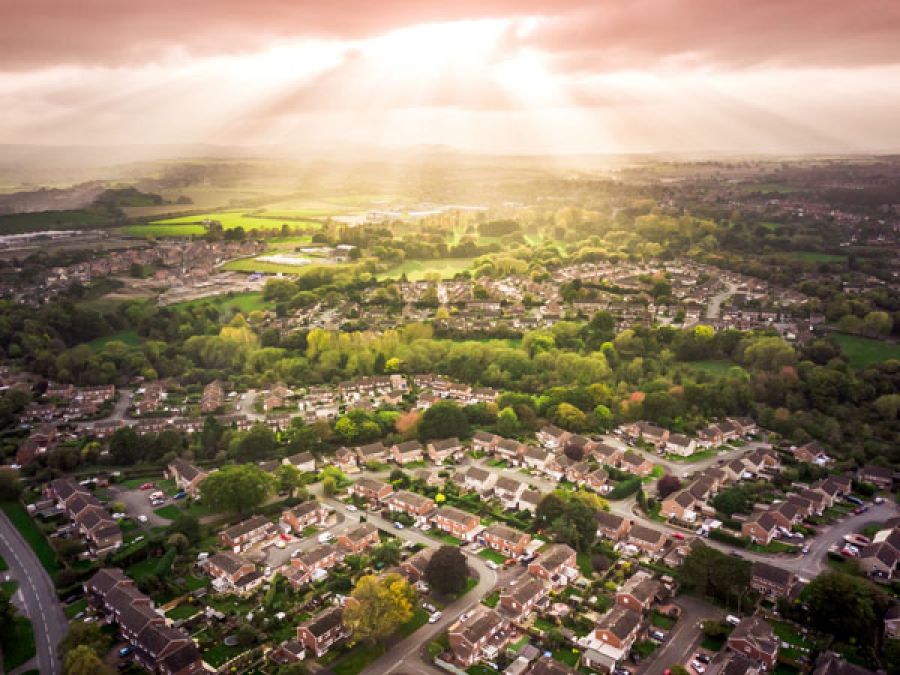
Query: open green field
[[185, 226], [862, 352], [254, 265], [719, 368], [416, 270], [243, 302], [129, 337], [815, 256], [18, 644], [157, 230], [35, 538]]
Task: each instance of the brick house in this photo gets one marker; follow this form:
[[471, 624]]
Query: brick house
[[598, 481], [479, 480], [320, 633], [373, 452], [771, 581], [556, 565], [441, 451], [647, 539], [521, 600], [346, 460], [371, 489], [635, 463], [247, 533], [407, 452], [880, 476], [612, 526], [412, 504], [415, 566], [304, 462], [233, 574], [681, 445], [484, 442], [760, 528], [358, 538], [298, 518], [619, 628], [507, 491], [552, 437], [681, 505], [754, 638], [607, 454], [480, 637], [507, 540], [456, 522], [638, 593], [510, 450], [187, 477]]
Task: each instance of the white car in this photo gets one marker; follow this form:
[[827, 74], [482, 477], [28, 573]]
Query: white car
[[142, 518], [350, 507], [698, 667], [492, 565], [434, 618]]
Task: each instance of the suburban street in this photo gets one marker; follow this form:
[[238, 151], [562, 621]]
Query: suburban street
[[39, 596], [684, 637]]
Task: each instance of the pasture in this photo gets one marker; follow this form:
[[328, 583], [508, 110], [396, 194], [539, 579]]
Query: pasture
[[862, 352]]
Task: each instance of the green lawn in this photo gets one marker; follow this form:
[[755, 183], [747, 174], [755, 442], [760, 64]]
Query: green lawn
[[489, 554], [479, 669], [862, 352], [416, 270], [254, 265], [583, 559], [129, 337], [184, 226], [444, 537], [419, 619], [169, 512], [143, 569], [243, 302], [357, 659], [471, 582], [18, 644], [182, 611], [3, 565], [221, 653], [491, 600], [662, 621], [75, 608], [35, 538], [773, 547], [696, 457]]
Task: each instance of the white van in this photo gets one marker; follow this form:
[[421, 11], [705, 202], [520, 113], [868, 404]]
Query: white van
[[733, 620]]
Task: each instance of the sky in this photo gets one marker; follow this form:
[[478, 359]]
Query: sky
[[490, 76]]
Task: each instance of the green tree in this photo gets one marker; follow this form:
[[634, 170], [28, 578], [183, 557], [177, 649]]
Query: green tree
[[84, 634], [378, 606], [604, 418], [288, 479], [507, 422], [83, 661], [236, 489], [329, 486], [258, 443], [10, 485], [186, 525], [388, 553], [843, 605], [447, 570], [444, 419]]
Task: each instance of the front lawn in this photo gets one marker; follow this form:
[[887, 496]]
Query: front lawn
[[773, 547], [357, 659], [143, 569], [662, 621], [182, 611], [18, 644], [696, 457], [479, 669], [490, 554], [75, 608], [583, 560], [419, 619], [221, 653], [567, 655], [443, 536], [169, 512], [471, 582], [491, 600], [33, 535]]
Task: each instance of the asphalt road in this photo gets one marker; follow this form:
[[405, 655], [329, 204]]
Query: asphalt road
[[684, 638], [39, 594]]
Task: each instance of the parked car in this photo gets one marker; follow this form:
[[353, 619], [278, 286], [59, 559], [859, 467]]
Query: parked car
[[657, 635], [861, 509], [142, 518], [491, 564], [351, 507], [434, 618], [703, 658], [125, 651], [147, 486], [677, 535], [698, 667], [399, 526], [180, 495]]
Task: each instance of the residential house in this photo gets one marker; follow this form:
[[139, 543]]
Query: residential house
[[299, 517], [771, 581], [546, 665], [638, 593], [371, 489], [619, 628], [479, 480], [456, 522], [320, 633], [358, 538], [537, 458], [649, 433], [529, 500], [507, 540], [682, 506], [648, 540], [346, 460], [412, 504], [373, 452], [313, 564], [556, 565], [508, 490], [681, 445], [787, 514], [754, 638], [608, 455], [522, 599], [187, 477], [304, 462], [484, 442], [248, 532], [612, 526], [552, 437], [880, 476], [213, 397], [233, 574], [598, 481], [407, 452], [812, 453], [635, 463], [760, 528], [510, 450], [880, 559], [448, 448], [415, 566], [480, 637], [829, 663]]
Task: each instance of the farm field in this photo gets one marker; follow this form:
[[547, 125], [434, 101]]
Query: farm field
[[416, 270], [185, 226], [862, 352], [52, 220]]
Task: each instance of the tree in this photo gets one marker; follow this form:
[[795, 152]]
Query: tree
[[84, 634], [878, 323], [164, 566], [258, 443], [186, 525], [444, 419], [604, 418], [288, 479], [717, 575], [378, 606], [236, 489], [731, 501], [329, 486], [551, 507], [569, 417], [843, 605], [10, 485], [508, 422], [387, 554], [447, 570], [83, 661], [667, 485]]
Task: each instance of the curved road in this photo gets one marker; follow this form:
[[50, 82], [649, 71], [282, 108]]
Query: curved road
[[41, 602]]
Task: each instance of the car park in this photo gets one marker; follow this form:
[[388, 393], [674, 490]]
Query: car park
[[703, 658]]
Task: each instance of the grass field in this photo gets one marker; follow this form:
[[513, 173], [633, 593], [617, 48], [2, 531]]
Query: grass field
[[254, 265], [35, 538], [244, 302], [357, 659], [719, 368], [416, 270], [815, 256], [185, 226], [18, 644], [129, 337], [862, 352], [169, 512]]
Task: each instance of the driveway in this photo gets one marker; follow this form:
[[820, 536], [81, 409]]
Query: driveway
[[137, 503], [684, 638], [38, 594]]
